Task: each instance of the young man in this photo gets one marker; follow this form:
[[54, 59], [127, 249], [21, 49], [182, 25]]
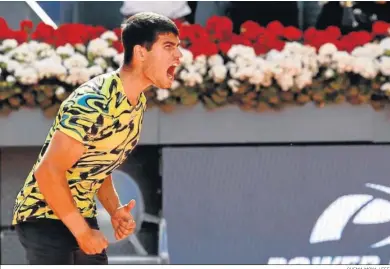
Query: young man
[[95, 130]]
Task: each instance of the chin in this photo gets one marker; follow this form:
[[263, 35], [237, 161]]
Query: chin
[[166, 85]]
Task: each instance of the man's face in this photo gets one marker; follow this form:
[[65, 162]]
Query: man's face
[[161, 61]]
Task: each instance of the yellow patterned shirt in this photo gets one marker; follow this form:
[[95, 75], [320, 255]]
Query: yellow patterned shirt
[[99, 115]]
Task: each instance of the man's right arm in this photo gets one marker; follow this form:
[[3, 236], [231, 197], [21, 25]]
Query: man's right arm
[[62, 153]]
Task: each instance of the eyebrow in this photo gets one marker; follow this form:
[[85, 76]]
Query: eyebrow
[[171, 43]]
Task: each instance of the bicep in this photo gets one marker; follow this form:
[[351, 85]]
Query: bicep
[[63, 152]]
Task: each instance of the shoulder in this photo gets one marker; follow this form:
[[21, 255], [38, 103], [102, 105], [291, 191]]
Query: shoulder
[[92, 96]]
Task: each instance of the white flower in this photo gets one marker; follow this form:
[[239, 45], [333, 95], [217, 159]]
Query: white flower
[[244, 73], [329, 73], [384, 65], [10, 79], [218, 73], [48, 53], [241, 50], [274, 55], [118, 59], [257, 77], [327, 49], [285, 82], [95, 70], [66, 50], [267, 81], [22, 54], [109, 52], [342, 61], [215, 60], [162, 94], [59, 91], [101, 62], [27, 75], [368, 50], [293, 47], [233, 84], [200, 64], [109, 35], [80, 47], [77, 76], [12, 65], [304, 79], [37, 46], [9, 44], [190, 77], [243, 61], [324, 59], [233, 68], [50, 67], [385, 43], [110, 69], [187, 57], [97, 47], [386, 86], [200, 60], [76, 60], [365, 67], [175, 85], [291, 66]]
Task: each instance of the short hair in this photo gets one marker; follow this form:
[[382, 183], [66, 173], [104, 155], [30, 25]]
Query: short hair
[[143, 29]]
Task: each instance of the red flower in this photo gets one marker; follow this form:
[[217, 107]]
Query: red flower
[[224, 47], [98, 31], [193, 33], [380, 28], [240, 40], [277, 44], [178, 23], [260, 48], [251, 30], [219, 26], [5, 32], [333, 32], [26, 25], [208, 49], [19, 36], [118, 46], [276, 28], [360, 38], [292, 33], [72, 34], [310, 34], [43, 32], [118, 32]]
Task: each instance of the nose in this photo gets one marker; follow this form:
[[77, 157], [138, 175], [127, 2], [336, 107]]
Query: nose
[[178, 53]]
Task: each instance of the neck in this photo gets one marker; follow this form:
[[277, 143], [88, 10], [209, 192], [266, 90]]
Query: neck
[[134, 83]]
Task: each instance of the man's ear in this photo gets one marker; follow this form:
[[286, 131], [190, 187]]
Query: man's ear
[[139, 53]]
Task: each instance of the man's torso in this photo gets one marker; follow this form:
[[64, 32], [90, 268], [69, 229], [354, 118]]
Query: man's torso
[[99, 115]]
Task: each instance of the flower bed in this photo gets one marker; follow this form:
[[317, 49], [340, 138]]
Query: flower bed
[[262, 68]]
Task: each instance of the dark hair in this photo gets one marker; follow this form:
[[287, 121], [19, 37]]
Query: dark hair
[[143, 29]]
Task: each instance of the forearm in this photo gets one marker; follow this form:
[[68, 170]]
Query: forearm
[[54, 187], [108, 196]]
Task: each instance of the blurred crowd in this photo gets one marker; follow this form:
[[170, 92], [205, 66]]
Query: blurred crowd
[[348, 15]]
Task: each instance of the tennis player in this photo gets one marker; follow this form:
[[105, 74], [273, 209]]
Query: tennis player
[[96, 128]]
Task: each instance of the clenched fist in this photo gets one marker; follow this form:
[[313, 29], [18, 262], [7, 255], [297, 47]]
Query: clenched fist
[[92, 242]]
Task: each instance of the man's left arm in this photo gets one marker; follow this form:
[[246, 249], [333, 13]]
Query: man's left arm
[[121, 219], [108, 196]]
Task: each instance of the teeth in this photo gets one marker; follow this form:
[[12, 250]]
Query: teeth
[[175, 64]]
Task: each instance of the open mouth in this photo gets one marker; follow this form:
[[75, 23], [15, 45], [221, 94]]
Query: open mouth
[[171, 72]]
